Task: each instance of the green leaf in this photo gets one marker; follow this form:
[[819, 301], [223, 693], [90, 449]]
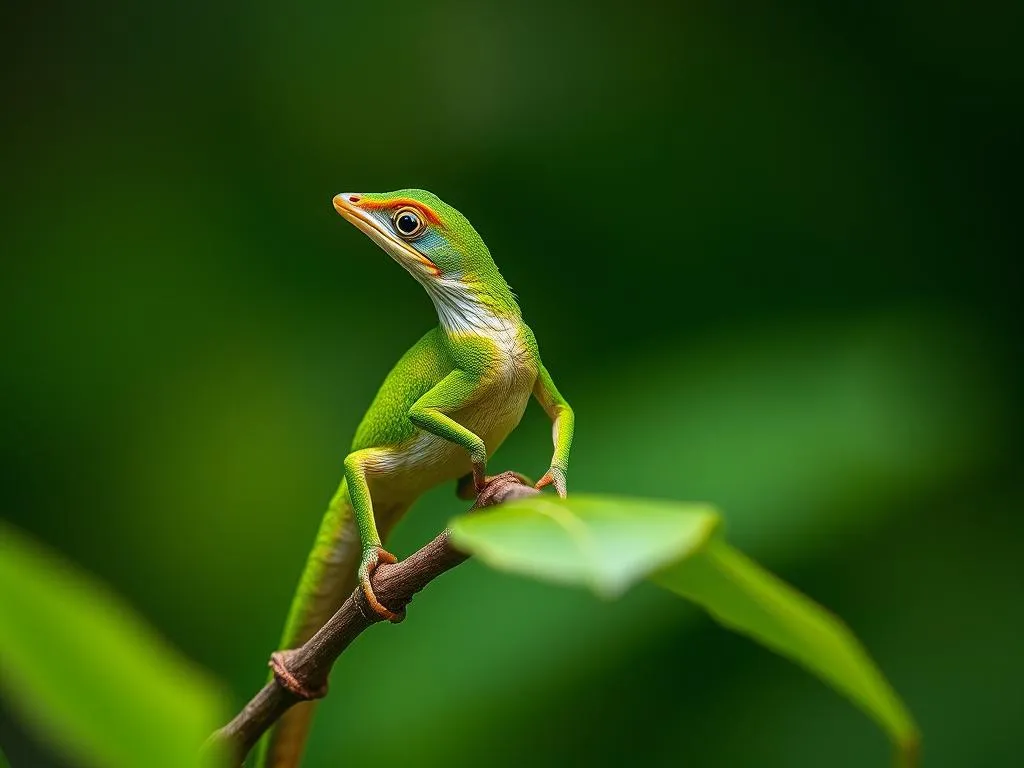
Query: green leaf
[[746, 598], [601, 542], [3, 760], [88, 676], [608, 544]]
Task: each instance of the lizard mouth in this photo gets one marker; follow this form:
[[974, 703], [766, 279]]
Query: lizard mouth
[[394, 246]]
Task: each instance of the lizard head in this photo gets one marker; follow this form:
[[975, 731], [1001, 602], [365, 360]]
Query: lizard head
[[432, 240], [439, 247]]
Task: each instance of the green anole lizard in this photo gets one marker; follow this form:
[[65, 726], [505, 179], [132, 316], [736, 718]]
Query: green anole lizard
[[445, 407]]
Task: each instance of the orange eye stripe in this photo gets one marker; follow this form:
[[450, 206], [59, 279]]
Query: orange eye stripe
[[403, 202]]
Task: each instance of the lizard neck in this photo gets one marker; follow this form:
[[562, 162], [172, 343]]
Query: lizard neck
[[467, 307]]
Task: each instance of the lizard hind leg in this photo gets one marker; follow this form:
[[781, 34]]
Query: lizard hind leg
[[356, 465]]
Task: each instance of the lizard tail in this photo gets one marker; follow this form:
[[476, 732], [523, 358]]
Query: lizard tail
[[328, 578]]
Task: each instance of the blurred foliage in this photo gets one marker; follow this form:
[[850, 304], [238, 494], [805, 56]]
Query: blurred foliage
[[91, 677], [747, 599], [602, 543], [770, 254], [608, 544]]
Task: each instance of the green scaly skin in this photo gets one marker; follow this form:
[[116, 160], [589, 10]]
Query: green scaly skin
[[443, 410]]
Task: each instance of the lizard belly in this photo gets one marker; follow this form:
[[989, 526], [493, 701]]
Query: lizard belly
[[428, 460]]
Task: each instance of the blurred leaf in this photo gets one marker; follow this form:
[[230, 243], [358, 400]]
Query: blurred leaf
[[88, 675], [3, 760], [601, 542], [608, 544], [746, 598]]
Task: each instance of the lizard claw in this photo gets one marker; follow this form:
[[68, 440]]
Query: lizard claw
[[372, 557], [554, 476]]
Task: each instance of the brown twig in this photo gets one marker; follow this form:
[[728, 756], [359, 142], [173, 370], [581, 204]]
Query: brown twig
[[301, 674]]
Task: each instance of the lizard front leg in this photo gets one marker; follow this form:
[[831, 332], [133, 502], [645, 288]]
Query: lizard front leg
[[563, 422], [431, 414]]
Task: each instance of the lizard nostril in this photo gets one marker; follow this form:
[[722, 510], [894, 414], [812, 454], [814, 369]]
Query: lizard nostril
[[353, 198]]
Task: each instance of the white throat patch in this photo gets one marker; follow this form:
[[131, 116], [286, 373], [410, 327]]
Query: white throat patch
[[460, 312]]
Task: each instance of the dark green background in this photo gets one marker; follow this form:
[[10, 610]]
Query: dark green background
[[770, 256]]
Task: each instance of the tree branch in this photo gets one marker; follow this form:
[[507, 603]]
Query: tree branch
[[301, 674]]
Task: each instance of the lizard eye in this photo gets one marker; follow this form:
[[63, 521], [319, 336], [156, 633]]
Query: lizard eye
[[408, 222]]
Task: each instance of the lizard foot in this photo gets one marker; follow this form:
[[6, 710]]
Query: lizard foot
[[555, 477], [467, 490], [372, 557], [502, 487]]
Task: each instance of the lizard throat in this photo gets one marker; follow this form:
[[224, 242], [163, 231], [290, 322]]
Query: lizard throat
[[463, 312]]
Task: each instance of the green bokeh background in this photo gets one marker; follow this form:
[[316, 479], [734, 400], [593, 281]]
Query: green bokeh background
[[770, 256]]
